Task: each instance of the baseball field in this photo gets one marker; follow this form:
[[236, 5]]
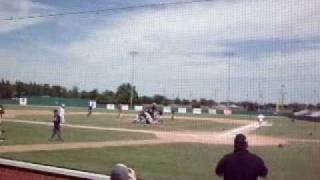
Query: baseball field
[[186, 148]]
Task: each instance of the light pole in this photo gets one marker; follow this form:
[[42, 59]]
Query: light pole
[[283, 94], [228, 90], [316, 97], [260, 97], [132, 54]]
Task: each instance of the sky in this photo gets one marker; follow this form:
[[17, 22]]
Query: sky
[[184, 50]]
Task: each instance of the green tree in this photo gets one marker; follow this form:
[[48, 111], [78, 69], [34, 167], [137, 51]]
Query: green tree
[[108, 96], [211, 103], [75, 92], [177, 101], [6, 89], [185, 102], [203, 102], [93, 94], [195, 103], [123, 93], [84, 94], [20, 90], [159, 99], [145, 100]]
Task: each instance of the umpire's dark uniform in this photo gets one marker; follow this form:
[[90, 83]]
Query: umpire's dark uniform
[[241, 164], [56, 126]]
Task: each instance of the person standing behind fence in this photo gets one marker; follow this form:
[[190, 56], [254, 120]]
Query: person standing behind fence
[[172, 113], [119, 110], [1, 131], [1, 111], [56, 126], [241, 164]]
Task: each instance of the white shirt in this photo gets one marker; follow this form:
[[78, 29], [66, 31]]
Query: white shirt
[[261, 117], [61, 111]]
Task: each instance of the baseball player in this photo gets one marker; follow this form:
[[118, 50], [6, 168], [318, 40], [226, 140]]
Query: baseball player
[[90, 107], [260, 119], [56, 126], [61, 113]]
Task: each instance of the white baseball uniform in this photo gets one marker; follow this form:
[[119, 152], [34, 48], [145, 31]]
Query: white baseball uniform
[[61, 113]]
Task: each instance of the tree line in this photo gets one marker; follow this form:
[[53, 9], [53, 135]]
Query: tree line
[[122, 95]]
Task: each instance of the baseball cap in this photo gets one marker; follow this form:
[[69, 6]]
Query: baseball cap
[[240, 138], [240, 142]]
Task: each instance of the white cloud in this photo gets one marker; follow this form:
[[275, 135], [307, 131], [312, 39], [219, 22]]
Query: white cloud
[[173, 43], [19, 8], [165, 38], [198, 27]]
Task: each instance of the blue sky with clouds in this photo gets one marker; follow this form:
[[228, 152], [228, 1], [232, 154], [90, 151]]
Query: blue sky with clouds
[[183, 49]]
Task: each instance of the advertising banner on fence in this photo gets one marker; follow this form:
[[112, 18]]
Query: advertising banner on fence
[[23, 101], [167, 109], [227, 112], [212, 111], [196, 111], [110, 106], [124, 107], [182, 110], [138, 108]]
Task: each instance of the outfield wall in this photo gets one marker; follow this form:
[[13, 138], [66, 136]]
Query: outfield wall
[[16, 170], [72, 102]]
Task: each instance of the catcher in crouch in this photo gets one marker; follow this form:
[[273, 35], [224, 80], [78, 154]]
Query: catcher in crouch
[[148, 116]]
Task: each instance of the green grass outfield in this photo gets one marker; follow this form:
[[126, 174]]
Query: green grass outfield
[[283, 127], [166, 161], [180, 161], [19, 133]]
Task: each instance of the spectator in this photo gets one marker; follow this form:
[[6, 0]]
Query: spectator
[[90, 107], [172, 112], [1, 111], [122, 172], [1, 131], [119, 110], [241, 164]]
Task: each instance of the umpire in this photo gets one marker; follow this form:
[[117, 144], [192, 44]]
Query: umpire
[[56, 126], [241, 164]]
